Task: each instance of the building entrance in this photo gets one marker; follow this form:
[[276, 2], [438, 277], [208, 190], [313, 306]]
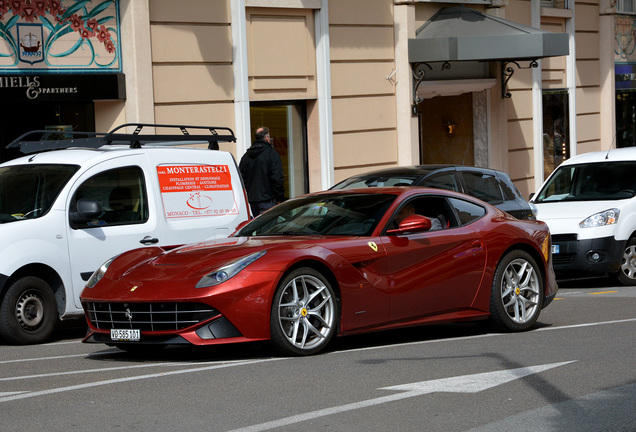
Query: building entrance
[[287, 128], [447, 130]]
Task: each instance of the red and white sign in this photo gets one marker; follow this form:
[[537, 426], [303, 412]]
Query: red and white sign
[[196, 190]]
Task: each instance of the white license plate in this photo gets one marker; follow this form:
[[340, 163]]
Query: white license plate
[[125, 335], [555, 249]]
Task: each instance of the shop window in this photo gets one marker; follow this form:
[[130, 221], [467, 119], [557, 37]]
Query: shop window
[[556, 128], [626, 6], [287, 128], [625, 119]]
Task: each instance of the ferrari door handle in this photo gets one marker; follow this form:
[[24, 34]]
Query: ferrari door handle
[[478, 244], [149, 240]]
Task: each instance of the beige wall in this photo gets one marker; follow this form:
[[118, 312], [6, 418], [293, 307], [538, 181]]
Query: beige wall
[[192, 63], [363, 99], [192, 70], [281, 54], [588, 85]]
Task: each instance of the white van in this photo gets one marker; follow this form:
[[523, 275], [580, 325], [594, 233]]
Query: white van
[[590, 206], [64, 212]]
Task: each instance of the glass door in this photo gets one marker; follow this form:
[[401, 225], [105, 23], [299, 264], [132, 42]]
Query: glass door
[[287, 128]]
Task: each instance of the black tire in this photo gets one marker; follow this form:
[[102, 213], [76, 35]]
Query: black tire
[[627, 274], [305, 314], [28, 313], [517, 293]]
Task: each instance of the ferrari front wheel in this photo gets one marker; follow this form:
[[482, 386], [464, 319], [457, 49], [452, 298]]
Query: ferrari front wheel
[[304, 313], [517, 293]]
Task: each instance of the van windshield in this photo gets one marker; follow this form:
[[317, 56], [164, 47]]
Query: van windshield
[[590, 182], [28, 191]]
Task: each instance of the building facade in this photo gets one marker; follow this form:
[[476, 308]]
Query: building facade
[[344, 85]]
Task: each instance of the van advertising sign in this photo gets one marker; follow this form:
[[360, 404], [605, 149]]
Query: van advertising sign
[[196, 190]]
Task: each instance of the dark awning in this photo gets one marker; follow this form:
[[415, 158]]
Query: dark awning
[[463, 34]]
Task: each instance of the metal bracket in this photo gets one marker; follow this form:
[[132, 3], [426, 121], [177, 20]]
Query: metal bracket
[[419, 73], [508, 71]]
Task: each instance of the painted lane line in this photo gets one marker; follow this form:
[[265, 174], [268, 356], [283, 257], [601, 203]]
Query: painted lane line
[[110, 369], [603, 292], [2, 394], [127, 379], [60, 357], [461, 384], [480, 336]]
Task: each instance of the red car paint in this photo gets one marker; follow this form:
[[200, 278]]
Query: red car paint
[[381, 280]]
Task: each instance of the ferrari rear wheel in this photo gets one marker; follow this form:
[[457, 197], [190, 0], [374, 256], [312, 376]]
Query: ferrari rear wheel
[[304, 313], [517, 293]]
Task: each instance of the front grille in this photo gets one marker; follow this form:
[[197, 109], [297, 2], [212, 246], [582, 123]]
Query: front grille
[[558, 238], [147, 316], [563, 259]]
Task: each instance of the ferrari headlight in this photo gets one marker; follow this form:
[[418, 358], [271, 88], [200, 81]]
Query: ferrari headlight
[[98, 274], [228, 271], [607, 217]]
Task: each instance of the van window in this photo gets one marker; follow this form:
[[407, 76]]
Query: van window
[[28, 191], [121, 193], [590, 182]]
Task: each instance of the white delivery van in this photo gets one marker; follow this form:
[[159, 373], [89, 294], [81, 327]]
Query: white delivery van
[[590, 206], [65, 211]]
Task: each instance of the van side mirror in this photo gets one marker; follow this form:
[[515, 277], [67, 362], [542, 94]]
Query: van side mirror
[[531, 195], [86, 210]]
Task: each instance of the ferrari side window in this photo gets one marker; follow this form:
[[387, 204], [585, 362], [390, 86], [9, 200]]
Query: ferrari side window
[[467, 211]]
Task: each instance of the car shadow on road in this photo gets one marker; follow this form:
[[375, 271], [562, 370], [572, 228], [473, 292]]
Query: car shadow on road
[[591, 282]]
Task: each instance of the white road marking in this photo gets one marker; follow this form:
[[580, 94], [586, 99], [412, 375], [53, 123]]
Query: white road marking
[[23, 395], [462, 384], [127, 379], [145, 365], [59, 357]]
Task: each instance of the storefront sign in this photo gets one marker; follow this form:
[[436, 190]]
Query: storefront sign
[[42, 88], [196, 190]]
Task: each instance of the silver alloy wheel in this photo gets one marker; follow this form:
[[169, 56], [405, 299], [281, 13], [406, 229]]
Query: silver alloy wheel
[[29, 310], [306, 312], [628, 266], [520, 291]]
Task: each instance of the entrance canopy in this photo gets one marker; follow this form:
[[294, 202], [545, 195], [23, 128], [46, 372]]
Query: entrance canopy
[[461, 34], [464, 34]]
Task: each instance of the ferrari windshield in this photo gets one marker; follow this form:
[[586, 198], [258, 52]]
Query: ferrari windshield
[[590, 182], [341, 214], [28, 191]]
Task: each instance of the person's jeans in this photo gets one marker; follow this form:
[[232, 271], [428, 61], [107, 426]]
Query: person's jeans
[[261, 206]]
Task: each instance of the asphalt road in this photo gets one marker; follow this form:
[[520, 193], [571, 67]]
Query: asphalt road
[[576, 371]]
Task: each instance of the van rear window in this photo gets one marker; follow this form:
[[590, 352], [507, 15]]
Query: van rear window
[[590, 182]]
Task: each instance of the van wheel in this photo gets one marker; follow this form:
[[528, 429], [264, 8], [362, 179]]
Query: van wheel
[[627, 274], [28, 313]]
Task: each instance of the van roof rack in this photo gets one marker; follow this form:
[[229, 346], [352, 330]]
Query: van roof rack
[[56, 140]]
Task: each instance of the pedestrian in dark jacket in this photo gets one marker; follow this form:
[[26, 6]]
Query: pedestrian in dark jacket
[[262, 173]]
